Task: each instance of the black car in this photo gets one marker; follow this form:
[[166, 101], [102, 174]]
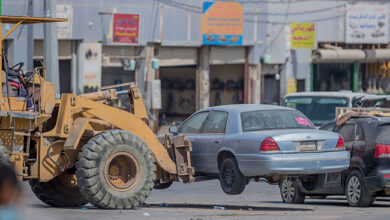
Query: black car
[[367, 138]]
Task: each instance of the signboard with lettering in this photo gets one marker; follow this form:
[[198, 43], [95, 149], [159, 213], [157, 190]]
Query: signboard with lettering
[[222, 23], [366, 23], [126, 28], [64, 29], [92, 68], [303, 36]]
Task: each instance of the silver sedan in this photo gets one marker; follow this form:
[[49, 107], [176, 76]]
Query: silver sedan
[[241, 142]]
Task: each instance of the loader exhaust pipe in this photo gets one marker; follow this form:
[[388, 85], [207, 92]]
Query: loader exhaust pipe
[[107, 95]]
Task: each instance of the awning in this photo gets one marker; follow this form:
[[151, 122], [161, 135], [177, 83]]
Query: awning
[[378, 55], [340, 56], [350, 55]]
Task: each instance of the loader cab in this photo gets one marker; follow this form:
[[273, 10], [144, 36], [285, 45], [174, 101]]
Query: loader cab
[[24, 91]]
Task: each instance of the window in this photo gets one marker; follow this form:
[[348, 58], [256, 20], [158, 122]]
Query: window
[[215, 123], [328, 127], [359, 134], [347, 132], [273, 119], [383, 135], [193, 124], [319, 110]]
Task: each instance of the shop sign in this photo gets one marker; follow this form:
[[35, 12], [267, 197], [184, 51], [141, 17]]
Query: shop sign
[[64, 29], [366, 23], [222, 23], [291, 86], [126, 28], [92, 68], [303, 36]]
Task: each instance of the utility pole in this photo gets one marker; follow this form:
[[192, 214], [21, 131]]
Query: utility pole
[[50, 46], [30, 38]]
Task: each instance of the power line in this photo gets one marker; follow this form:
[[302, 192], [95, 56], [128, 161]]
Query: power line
[[195, 8], [198, 10]]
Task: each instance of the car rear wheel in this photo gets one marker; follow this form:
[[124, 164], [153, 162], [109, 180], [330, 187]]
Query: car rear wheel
[[290, 191], [230, 177], [356, 191]]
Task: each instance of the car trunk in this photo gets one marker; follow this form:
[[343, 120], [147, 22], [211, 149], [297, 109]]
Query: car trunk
[[303, 140]]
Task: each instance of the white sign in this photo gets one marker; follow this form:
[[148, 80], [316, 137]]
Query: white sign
[[64, 29], [366, 23], [92, 67]]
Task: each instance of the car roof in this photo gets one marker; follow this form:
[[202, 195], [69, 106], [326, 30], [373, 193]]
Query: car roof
[[245, 108], [348, 94]]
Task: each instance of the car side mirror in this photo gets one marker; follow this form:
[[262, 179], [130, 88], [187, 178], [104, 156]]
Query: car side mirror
[[173, 130]]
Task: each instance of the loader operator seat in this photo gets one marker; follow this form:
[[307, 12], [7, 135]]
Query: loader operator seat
[[15, 83]]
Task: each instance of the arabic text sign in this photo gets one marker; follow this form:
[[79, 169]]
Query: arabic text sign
[[64, 29], [126, 28], [222, 23], [303, 35], [92, 71], [366, 23]]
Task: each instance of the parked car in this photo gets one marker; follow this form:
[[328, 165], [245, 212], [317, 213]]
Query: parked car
[[236, 143], [320, 107], [368, 176]]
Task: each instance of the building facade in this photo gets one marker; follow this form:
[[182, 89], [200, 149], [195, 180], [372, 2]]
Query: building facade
[[193, 74]]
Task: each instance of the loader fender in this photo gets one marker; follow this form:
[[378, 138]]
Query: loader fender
[[129, 122]]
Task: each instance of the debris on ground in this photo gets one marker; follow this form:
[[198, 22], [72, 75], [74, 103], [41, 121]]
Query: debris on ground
[[146, 214], [219, 207]]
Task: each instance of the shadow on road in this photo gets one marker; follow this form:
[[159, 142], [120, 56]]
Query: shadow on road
[[227, 207], [331, 202]]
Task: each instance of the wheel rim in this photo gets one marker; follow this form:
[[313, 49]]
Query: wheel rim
[[228, 176], [288, 190], [122, 171], [354, 189]]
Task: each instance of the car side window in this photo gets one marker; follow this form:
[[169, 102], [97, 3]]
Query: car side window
[[193, 124], [347, 132], [328, 127], [215, 123], [359, 133]]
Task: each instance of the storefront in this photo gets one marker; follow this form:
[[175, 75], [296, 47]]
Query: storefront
[[227, 73], [178, 81]]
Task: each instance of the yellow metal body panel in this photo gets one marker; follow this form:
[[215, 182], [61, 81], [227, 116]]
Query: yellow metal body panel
[[72, 107], [28, 20]]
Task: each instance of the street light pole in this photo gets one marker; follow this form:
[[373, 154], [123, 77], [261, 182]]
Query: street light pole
[[50, 46]]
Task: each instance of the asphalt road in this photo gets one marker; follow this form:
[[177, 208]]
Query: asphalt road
[[196, 202]]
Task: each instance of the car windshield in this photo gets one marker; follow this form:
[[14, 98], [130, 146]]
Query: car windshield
[[319, 110], [273, 119]]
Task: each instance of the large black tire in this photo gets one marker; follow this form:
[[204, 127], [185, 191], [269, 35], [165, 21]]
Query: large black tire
[[290, 191], [232, 181], [4, 154], [116, 170], [356, 191], [59, 192]]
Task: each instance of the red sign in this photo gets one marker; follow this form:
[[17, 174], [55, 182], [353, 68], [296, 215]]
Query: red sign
[[126, 28]]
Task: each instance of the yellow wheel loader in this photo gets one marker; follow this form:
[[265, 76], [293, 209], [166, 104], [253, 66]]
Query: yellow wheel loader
[[79, 149]]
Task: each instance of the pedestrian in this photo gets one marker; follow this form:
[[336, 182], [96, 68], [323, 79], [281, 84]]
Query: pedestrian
[[9, 193]]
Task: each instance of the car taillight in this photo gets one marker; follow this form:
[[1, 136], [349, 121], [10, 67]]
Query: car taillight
[[269, 144], [382, 151], [340, 142]]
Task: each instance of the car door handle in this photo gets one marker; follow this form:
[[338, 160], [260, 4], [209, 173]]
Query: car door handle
[[217, 141]]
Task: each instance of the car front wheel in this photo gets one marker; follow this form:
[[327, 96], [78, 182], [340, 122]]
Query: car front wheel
[[230, 177], [356, 192], [290, 191]]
